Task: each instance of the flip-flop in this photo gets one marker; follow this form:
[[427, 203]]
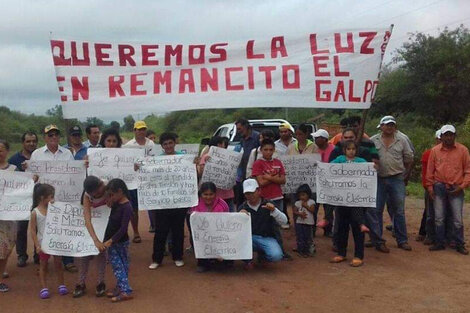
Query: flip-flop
[[63, 290], [338, 259], [356, 262], [112, 293], [121, 297], [44, 293], [137, 239]]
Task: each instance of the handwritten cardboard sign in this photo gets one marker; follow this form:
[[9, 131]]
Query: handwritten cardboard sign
[[65, 233], [222, 235], [167, 182], [347, 184], [221, 167], [16, 195], [186, 148], [65, 176], [300, 169]]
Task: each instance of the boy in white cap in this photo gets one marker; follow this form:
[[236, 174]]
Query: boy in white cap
[[448, 174], [263, 216]]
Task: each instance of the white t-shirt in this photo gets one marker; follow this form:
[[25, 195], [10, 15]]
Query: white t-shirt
[[148, 146], [309, 219]]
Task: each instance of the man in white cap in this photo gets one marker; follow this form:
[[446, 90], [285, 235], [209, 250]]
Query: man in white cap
[[426, 230], [448, 174], [324, 147], [286, 133], [263, 216], [395, 162]]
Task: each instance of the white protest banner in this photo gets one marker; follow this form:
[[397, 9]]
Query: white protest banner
[[222, 235], [109, 163], [347, 184], [221, 167], [167, 182], [65, 176], [16, 195], [186, 148], [65, 233], [300, 169], [335, 69]]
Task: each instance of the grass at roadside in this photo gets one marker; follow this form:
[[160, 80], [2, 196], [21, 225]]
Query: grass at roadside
[[416, 190]]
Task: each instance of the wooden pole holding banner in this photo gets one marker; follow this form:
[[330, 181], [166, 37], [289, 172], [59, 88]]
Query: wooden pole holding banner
[[366, 111]]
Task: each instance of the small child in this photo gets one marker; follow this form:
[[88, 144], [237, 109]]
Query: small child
[[42, 195], [304, 220], [116, 239], [350, 216]]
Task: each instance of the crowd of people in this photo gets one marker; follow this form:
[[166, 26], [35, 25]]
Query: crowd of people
[[258, 192]]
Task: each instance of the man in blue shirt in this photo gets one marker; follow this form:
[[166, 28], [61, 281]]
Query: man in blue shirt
[[30, 143], [78, 149]]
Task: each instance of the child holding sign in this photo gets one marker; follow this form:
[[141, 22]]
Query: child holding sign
[[42, 195], [350, 216], [304, 209], [116, 239]]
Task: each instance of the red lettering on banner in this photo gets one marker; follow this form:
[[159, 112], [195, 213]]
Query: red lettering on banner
[[59, 60], [319, 66], [228, 79], [314, 45], [115, 86], [339, 91], [374, 89], [351, 92], [278, 46], [135, 83], [186, 79], [350, 45], [285, 77], [125, 55], [267, 73], [217, 50], [251, 78], [367, 88], [147, 54], [101, 56], [201, 57], [249, 51], [86, 54], [208, 80], [170, 51], [79, 88], [159, 79], [319, 93], [369, 36], [338, 72]]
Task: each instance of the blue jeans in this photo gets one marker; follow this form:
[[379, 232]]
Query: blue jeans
[[391, 190], [455, 207], [268, 247]]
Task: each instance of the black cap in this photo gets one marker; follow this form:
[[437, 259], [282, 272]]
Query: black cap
[[75, 130]]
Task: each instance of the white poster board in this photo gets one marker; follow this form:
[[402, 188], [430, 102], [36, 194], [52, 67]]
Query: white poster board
[[16, 195], [347, 184], [300, 169], [109, 163], [167, 182], [222, 235], [65, 233], [221, 167], [186, 148], [65, 176]]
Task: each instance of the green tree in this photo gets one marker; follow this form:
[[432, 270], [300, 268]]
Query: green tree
[[129, 123]]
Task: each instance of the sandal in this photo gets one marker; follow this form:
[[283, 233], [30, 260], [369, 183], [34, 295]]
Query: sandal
[[112, 293], [338, 259], [356, 262], [63, 290], [44, 294], [137, 239], [72, 268], [121, 297]]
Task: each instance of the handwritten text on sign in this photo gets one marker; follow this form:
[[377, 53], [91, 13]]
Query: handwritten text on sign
[[222, 235], [16, 195], [167, 182], [221, 167], [347, 184], [65, 176], [337, 69], [109, 163], [65, 233], [300, 169]]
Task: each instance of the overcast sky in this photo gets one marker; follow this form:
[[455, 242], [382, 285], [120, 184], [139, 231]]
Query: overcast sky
[[27, 78]]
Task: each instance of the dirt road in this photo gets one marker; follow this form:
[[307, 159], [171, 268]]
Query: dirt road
[[416, 281]]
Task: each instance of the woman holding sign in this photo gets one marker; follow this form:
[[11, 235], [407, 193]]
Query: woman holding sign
[[7, 228]]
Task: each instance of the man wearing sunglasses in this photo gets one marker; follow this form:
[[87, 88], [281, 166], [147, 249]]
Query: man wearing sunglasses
[[52, 151], [78, 149]]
